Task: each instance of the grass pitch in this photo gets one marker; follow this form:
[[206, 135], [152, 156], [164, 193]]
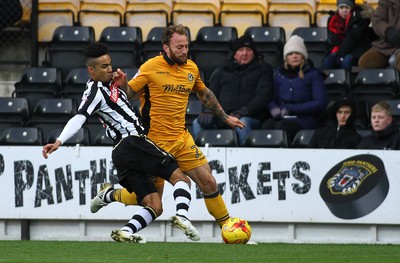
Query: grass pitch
[[110, 252]]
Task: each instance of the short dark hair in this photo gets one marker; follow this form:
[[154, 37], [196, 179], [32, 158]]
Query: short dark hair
[[95, 50], [170, 30]]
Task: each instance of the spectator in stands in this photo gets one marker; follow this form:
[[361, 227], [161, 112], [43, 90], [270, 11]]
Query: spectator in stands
[[243, 87], [339, 132], [10, 12], [349, 34], [299, 91], [384, 134], [386, 24]]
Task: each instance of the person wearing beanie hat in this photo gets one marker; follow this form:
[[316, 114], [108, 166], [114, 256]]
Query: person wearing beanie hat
[[243, 87], [295, 44], [244, 42], [385, 22], [299, 92], [349, 3], [339, 132], [349, 34]]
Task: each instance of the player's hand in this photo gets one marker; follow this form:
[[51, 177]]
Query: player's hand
[[234, 122], [119, 77], [49, 148]]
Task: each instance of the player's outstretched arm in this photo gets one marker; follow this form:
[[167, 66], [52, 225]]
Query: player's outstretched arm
[[208, 98], [70, 129]]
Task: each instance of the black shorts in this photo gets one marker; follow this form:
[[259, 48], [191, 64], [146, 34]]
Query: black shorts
[[138, 160]]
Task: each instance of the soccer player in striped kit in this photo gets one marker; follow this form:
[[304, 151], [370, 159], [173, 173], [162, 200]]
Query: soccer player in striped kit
[[134, 155]]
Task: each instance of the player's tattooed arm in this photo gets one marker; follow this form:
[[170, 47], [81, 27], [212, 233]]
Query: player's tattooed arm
[[207, 97]]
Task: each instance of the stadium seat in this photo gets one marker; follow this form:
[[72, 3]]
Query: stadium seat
[[364, 132], [152, 46], [362, 114], [81, 137], [315, 39], [21, 136], [99, 138], [195, 13], [14, 112], [37, 83], [193, 109], [124, 44], [290, 14], [395, 106], [269, 42], [212, 48], [217, 138], [49, 114], [26, 12], [100, 14], [55, 13], [248, 12], [75, 84], [147, 14], [302, 138], [267, 139], [65, 51], [337, 83], [374, 85]]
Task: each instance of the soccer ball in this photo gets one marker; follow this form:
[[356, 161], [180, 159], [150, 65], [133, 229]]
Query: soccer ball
[[236, 231]]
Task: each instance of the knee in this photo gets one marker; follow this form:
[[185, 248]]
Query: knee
[[178, 175]]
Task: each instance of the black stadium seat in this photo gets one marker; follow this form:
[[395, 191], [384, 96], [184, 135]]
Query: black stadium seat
[[267, 139], [212, 48], [21, 136], [124, 44], [37, 83], [217, 138], [65, 51]]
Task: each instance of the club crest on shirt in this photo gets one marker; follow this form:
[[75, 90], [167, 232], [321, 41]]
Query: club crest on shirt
[[114, 92], [190, 77]]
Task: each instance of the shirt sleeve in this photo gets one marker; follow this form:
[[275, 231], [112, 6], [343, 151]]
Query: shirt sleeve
[[72, 127]]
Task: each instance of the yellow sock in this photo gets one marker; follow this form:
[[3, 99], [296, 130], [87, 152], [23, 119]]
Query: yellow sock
[[216, 207], [123, 196]]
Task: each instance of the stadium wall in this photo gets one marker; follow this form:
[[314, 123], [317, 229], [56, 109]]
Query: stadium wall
[[287, 195]]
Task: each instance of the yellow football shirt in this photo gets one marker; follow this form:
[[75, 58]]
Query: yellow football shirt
[[165, 98]]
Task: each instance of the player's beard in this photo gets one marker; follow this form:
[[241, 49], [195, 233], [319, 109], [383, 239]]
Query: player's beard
[[177, 60]]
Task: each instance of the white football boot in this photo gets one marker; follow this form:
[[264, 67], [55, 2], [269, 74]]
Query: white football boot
[[186, 226], [126, 237], [98, 202]]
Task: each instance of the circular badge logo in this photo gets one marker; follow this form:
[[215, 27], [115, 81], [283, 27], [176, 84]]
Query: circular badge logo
[[355, 186]]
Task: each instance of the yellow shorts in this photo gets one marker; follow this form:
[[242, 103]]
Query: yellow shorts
[[185, 151]]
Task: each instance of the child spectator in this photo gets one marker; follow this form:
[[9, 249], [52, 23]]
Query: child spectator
[[348, 34], [385, 135]]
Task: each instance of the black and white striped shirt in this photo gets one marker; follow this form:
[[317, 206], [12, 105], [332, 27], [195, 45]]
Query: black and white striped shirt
[[111, 105]]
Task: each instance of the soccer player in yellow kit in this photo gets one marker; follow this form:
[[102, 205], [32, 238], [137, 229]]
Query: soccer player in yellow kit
[[164, 84]]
